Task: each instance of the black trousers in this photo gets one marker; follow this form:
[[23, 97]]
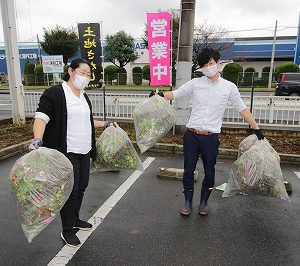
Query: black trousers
[[206, 146], [70, 212]]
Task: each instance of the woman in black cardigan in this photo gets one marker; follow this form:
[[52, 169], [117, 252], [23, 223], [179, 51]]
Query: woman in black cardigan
[[64, 122]]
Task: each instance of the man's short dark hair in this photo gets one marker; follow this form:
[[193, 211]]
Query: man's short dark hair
[[206, 55]]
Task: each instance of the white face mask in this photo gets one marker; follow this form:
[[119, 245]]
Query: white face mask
[[210, 71], [80, 82]]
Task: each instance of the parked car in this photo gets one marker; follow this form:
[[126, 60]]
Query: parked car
[[288, 84]]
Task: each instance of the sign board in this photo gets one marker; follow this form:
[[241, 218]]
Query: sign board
[[297, 49], [159, 45], [53, 64], [91, 50]]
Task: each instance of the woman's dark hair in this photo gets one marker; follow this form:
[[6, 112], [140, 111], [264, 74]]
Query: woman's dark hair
[[75, 64], [206, 55]]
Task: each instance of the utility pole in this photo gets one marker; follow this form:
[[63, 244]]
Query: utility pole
[[272, 58], [184, 59], [39, 49], [13, 61]]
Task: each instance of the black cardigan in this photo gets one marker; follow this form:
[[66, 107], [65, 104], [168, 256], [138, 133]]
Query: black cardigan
[[53, 104]]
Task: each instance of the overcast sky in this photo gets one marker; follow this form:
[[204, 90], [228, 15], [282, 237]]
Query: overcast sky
[[130, 15]]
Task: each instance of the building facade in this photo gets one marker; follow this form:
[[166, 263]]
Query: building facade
[[249, 52]]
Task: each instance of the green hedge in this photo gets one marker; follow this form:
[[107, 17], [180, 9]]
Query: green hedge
[[146, 72], [137, 76], [121, 76], [110, 73], [231, 72]]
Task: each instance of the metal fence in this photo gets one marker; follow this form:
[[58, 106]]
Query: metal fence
[[269, 111]]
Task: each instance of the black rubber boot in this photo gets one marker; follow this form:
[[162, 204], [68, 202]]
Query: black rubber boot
[[188, 201], [203, 208]]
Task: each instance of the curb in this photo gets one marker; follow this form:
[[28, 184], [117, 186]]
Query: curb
[[14, 150], [223, 153], [157, 148]]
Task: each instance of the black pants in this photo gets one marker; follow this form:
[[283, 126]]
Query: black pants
[[70, 212], [206, 146]]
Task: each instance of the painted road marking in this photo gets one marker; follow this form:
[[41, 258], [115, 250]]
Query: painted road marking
[[297, 174], [66, 253]]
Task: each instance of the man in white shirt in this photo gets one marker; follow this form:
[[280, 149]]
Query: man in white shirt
[[209, 97]]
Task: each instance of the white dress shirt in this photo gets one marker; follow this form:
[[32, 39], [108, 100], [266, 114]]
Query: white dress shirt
[[79, 131], [209, 100]]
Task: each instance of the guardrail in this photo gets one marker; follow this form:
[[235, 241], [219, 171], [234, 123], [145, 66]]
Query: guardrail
[[269, 111]]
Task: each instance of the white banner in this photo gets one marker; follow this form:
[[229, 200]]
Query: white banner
[[53, 64]]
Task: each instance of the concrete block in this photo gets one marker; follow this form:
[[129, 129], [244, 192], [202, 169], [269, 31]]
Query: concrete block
[[173, 173]]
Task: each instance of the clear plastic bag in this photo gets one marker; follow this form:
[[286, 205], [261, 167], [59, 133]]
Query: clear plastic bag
[[246, 144], [257, 172], [41, 181], [115, 151], [153, 119]]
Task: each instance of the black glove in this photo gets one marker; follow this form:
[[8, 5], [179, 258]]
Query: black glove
[[259, 134], [152, 93], [160, 93]]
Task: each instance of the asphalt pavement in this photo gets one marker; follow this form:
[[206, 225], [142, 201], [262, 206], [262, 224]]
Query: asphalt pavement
[[145, 227]]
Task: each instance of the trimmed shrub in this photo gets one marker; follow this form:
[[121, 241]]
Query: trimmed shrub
[[110, 73], [249, 76], [260, 83], [146, 72], [29, 73], [39, 74], [122, 76], [231, 72], [265, 73], [137, 76]]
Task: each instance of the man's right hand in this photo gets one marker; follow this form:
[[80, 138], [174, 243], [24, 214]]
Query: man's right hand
[[35, 144]]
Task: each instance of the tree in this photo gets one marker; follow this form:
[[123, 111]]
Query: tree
[[231, 72], [209, 36], [287, 67], [119, 49], [61, 41], [175, 16]]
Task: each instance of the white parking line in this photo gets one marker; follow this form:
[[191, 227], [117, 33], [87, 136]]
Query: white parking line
[[297, 174], [66, 253]]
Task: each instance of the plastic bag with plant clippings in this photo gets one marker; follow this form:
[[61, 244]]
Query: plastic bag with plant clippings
[[153, 119], [246, 144], [257, 172], [115, 150], [42, 181]]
